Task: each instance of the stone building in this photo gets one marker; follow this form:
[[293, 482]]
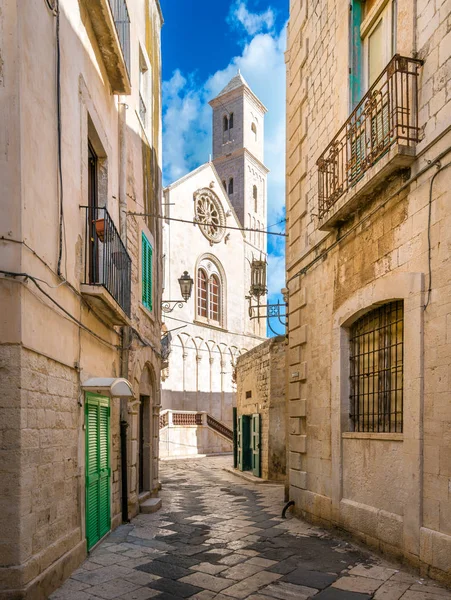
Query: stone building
[[213, 328], [368, 272], [80, 279], [261, 410]]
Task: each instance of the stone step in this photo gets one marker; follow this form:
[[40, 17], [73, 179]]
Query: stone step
[[150, 506]]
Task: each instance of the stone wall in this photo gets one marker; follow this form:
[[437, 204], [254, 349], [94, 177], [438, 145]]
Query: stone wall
[[260, 377], [392, 492]]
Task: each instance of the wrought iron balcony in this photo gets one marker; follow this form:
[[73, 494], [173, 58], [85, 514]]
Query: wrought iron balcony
[[107, 268], [386, 118]]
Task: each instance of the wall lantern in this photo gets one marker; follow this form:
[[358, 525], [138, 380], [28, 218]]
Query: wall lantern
[[258, 278], [186, 287]]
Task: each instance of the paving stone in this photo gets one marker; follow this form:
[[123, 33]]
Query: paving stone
[[205, 595], [101, 575], [312, 579], [247, 552], [288, 591], [178, 589], [232, 559], [391, 590], [250, 585], [181, 561], [140, 594], [167, 570], [241, 571], [335, 594], [209, 568], [423, 595], [373, 571], [207, 582], [113, 589], [262, 562], [430, 588], [364, 585], [141, 578]]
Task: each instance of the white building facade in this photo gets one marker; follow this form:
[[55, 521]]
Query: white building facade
[[226, 200]]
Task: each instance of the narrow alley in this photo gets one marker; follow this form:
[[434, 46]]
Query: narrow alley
[[219, 537]]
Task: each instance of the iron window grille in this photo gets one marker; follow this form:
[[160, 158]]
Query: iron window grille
[[122, 22], [386, 115], [376, 363]]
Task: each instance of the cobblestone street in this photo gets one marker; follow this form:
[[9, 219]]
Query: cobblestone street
[[218, 536]]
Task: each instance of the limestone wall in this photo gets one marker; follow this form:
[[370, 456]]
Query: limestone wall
[[391, 491], [260, 377]]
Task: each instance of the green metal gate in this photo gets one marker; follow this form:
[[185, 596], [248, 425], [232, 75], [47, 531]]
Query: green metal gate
[[98, 472], [256, 453]]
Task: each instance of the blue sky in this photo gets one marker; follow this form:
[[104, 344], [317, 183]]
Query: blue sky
[[204, 43]]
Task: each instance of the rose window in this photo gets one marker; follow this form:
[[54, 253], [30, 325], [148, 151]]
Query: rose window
[[210, 216]]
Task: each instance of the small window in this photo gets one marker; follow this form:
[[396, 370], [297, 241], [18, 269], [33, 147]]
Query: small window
[[376, 364], [225, 125], [248, 394], [231, 121], [255, 194], [144, 90], [254, 130], [209, 296], [146, 273], [231, 185]]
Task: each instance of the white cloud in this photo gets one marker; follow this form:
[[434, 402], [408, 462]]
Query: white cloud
[[252, 22], [187, 119]]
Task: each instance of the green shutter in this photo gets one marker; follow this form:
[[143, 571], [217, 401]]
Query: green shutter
[[146, 271], [256, 454], [243, 443], [356, 53], [98, 474]]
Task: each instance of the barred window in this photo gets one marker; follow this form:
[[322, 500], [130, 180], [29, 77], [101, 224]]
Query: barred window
[[376, 362]]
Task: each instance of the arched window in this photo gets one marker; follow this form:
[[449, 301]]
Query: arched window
[[231, 185], [202, 293], [254, 225], [210, 292], [225, 123], [214, 298], [254, 130], [231, 121], [255, 194], [259, 234]]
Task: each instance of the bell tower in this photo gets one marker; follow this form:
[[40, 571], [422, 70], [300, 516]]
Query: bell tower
[[238, 154]]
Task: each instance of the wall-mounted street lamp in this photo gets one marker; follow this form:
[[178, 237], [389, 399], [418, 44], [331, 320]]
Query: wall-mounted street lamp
[[186, 287], [257, 290]]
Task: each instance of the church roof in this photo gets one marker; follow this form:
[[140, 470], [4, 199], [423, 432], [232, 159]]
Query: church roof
[[235, 83]]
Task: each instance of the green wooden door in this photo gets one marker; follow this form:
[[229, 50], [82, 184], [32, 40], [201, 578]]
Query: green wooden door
[[243, 443], [256, 454], [235, 439], [98, 473]]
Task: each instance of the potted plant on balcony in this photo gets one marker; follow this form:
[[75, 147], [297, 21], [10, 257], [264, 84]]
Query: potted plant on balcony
[[100, 229]]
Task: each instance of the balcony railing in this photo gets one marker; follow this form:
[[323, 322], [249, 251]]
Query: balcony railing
[[386, 116], [122, 22], [107, 262]]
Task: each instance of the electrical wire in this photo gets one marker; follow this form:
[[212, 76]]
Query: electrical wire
[[155, 215], [35, 280], [61, 239], [252, 335]]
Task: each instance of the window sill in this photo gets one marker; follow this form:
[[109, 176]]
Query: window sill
[[383, 437], [397, 158], [147, 312], [209, 325]]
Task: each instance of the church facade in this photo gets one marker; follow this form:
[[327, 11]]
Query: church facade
[[215, 219]]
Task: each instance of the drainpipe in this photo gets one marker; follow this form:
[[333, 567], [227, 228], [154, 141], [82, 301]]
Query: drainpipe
[[126, 337]]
